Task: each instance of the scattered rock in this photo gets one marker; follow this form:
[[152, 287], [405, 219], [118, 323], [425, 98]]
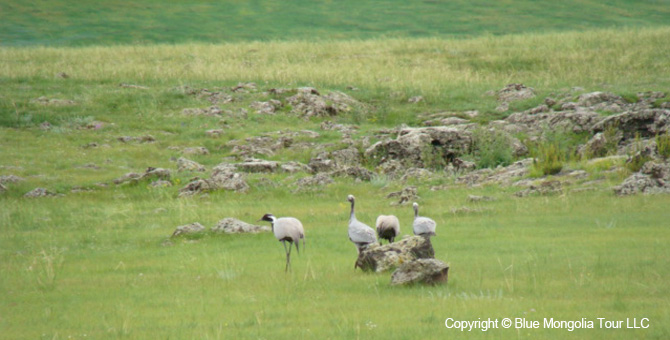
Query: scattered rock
[[382, 258], [55, 102], [475, 198], [267, 108], [161, 184], [184, 164], [231, 225], [245, 87], [142, 139], [210, 111], [223, 177], [415, 99], [257, 165], [214, 133], [133, 86], [4, 179], [426, 271], [501, 175], [513, 92], [294, 167], [150, 174], [189, 229], [405, 196], [40, 192], [62, 75], [308, 102], [199, 150], [544, 188]]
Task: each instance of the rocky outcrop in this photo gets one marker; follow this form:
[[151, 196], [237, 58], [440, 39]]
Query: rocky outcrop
[[150, 174], [501, 175], [644, 123], [422, 147], [223, 177], [382, 258], [231, 225], [571, 121], [309, 102], [425, 271], [653, 178]]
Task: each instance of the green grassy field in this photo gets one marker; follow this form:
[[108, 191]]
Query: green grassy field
[[99, 262], [83, 23]]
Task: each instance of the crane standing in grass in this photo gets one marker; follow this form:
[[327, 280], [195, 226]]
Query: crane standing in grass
[[287, 229], [423, 226], [359, 233], [388, 227]]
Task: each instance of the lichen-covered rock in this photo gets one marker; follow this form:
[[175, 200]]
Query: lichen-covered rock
[[382, 258], [40, 192], [196, 150], [422, 147], [426, 271], [184, 164], [223, 177], [257, 165], [231, 225], [189, 229], [644, 123], [653, 178], [404, 196]]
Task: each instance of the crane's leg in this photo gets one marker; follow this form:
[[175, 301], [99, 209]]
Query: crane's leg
[[287, 251]]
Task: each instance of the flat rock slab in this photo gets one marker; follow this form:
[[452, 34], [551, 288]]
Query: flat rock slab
[[231, 225]]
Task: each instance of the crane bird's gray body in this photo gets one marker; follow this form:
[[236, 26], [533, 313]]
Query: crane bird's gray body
[[423, 226], [388, 227], [287, 229], [359, 233]]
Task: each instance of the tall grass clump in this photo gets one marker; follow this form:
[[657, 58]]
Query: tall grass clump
[[638, 155], [548, 160], [663, 145], [492, 148]]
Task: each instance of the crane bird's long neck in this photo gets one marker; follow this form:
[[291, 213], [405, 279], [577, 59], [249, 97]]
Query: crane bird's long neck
[[352, 216], [416, 212]]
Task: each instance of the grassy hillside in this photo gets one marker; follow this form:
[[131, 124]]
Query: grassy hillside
[[81, 23], [98, 262]]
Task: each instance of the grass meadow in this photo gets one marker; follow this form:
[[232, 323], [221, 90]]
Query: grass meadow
[[99, 263], [116, 22]]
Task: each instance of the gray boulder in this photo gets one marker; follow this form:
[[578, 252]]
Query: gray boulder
[[426, 271], [257, 165], [382, 258], [231, 225]]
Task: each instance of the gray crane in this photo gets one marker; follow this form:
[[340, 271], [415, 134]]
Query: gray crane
[[423, 226], [287, 229], [359, 233], [388, 227]]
